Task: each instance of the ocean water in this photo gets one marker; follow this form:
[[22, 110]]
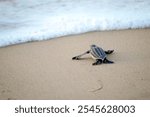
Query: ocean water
[[34, 20]]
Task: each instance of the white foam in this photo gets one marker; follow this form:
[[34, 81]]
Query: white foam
[[33, 20]]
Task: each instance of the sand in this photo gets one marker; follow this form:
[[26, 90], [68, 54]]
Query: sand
[[45, 70]]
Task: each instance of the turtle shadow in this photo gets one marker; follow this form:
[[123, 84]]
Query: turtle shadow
[[85, 58]]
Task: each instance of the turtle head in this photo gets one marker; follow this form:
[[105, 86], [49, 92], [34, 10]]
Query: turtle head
[[93, 45]]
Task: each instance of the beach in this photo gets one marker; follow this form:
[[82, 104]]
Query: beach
[[45, 69]]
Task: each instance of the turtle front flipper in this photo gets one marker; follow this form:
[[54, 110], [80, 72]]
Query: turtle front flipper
[[109, 51], [75, 58], [79, 56], [97, 62], [107, 61]]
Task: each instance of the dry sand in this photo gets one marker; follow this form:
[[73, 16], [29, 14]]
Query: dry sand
[[44, 70]]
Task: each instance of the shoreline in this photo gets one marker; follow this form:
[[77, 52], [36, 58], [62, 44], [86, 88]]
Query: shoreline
[[44, 69], [69, 35]]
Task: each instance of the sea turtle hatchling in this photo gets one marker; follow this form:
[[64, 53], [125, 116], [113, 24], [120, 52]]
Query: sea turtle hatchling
[[97, 54]]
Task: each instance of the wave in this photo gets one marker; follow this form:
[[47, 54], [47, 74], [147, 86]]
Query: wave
[[26, 20]]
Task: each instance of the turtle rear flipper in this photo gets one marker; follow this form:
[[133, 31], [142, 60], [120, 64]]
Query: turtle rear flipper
[[109, 51], [97, 62], [107, 61]]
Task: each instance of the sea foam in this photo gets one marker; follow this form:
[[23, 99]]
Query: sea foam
[[34, 20]]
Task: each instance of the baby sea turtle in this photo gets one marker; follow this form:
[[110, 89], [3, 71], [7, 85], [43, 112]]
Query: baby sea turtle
[[98, 54]]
